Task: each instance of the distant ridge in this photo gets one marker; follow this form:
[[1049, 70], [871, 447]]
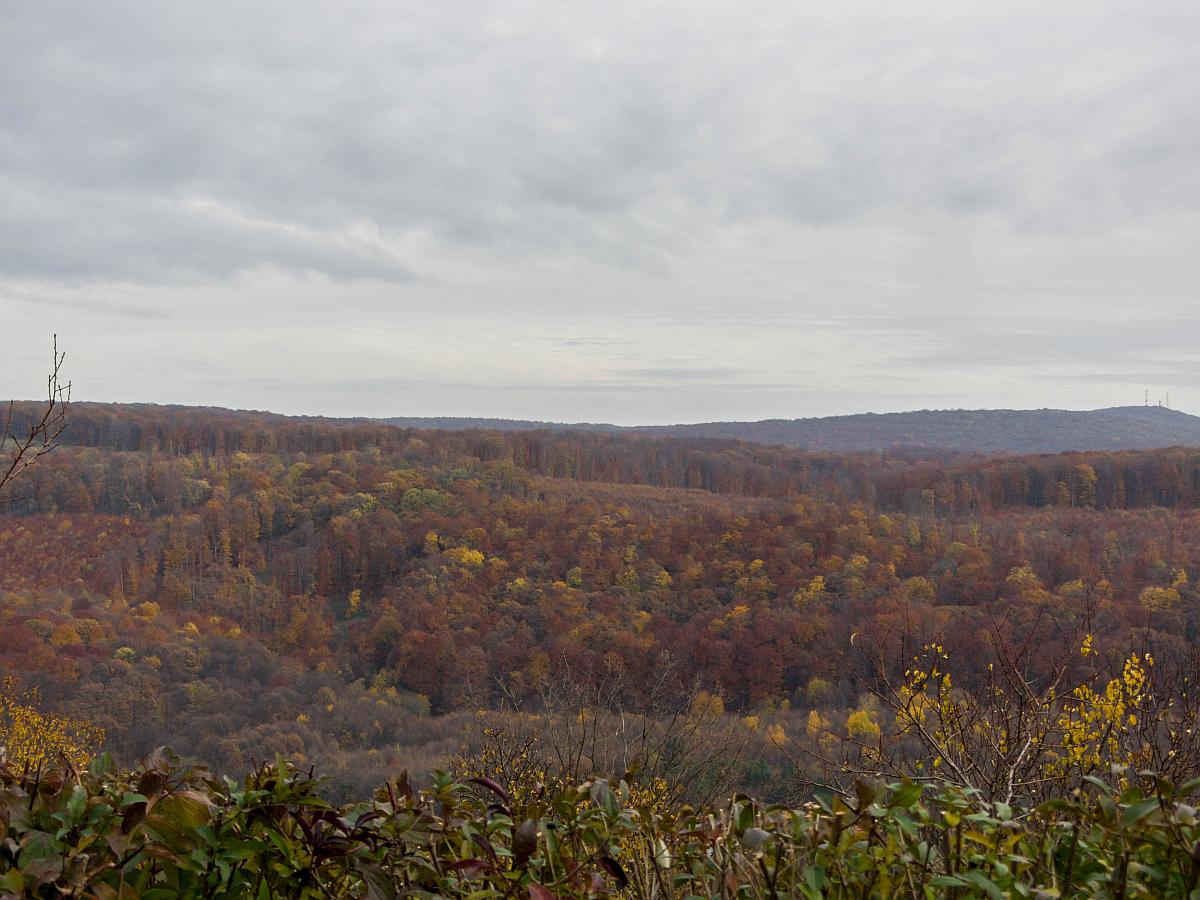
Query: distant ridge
[[989, 431], [464, 423], [961, 430]]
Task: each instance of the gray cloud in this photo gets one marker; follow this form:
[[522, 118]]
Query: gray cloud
[[684, 373], [43, 300], [1145, 346], [704, 199]]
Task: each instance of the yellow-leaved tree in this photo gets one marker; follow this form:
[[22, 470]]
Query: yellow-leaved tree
[[31, 738], [1021, 736]]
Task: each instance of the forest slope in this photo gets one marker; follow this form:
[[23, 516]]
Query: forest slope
[[967, 431], [927, 432], [973, 431], [350, 593]]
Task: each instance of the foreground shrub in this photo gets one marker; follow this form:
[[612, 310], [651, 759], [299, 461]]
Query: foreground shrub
[[164, 830], [31, 738]]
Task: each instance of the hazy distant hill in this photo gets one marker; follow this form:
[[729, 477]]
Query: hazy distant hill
[[988, 431], [455, 423], [984, 431], [969, 431]]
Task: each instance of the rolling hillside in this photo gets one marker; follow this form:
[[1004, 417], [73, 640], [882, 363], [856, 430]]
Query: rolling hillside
[[970, 431]]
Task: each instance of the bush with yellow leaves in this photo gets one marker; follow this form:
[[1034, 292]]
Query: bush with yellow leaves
[[32, 739], [1018, 735]]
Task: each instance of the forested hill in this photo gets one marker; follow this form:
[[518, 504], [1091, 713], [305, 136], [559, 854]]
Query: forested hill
[[960, 430], [971, 431], [995, 431], [237, 583], [462, 423]]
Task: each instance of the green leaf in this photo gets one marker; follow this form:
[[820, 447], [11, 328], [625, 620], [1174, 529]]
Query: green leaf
[[604, 798], [1138, 811], [375, 881], [1189, 786], [814, 877], [77, 802], [13, 882], [948, 881], [907, 795], [983, 882], [753, 838], [38, 845], [524, 842], [744, 816], [187, 810]]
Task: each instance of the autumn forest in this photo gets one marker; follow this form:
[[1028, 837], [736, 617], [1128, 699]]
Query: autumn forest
[[353, 595]]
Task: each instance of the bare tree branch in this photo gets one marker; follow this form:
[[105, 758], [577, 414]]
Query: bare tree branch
[[19, 451]]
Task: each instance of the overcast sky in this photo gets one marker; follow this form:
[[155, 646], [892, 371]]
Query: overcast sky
[[624, 211]]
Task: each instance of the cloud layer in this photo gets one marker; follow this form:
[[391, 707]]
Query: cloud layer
[[634, 211]]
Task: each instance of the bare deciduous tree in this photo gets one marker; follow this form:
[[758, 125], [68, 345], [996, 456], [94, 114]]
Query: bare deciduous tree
[[23, 443], [597, 723]]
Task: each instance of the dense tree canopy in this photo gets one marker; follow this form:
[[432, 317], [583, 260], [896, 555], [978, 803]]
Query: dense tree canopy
[[346, 593]]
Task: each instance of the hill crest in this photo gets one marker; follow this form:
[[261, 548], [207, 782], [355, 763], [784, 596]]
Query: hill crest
[[964, 430]]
